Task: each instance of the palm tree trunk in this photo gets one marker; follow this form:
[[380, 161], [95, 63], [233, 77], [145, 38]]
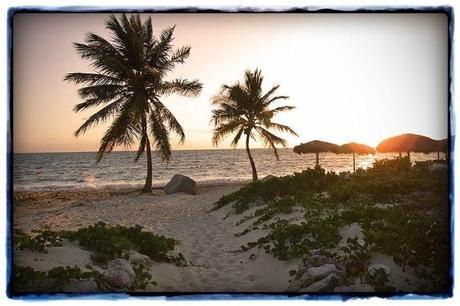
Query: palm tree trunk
[[148, 180], [253, 165], [317, 159], [354, 165]]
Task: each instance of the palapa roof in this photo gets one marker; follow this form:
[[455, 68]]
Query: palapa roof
[[408, 143], [358, 148], [316, 146]]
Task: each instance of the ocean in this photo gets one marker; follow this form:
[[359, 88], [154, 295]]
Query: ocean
[[51, 171]]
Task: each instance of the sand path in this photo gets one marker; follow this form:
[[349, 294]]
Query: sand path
[[206, 240]]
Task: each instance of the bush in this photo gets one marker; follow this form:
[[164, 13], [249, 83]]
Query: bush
[[107, 242]]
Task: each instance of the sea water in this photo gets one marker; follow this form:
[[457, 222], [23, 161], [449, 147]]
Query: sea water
[[51, 171]]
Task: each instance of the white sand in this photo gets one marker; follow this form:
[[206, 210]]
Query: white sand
[[206, 240]]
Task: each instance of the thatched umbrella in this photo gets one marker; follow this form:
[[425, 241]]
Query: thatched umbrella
[[408, 143], [355, 148], [316, 147]]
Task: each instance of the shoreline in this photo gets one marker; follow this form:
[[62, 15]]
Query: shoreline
[[120, 189]]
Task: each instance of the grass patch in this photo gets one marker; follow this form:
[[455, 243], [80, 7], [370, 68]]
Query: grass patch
[[106, 241], [26, 279], [414, 228]]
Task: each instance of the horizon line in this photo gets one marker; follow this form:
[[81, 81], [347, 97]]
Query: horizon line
[[210, 149]]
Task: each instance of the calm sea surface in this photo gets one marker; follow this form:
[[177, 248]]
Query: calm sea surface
[[50, 171]]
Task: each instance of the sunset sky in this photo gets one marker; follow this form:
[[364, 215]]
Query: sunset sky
[[352, 77]]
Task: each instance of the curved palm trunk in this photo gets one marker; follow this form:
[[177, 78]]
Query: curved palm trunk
[[148, 179], [253, 165]]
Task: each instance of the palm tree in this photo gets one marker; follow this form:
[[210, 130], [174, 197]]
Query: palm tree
[[129, 81], [244, 109]]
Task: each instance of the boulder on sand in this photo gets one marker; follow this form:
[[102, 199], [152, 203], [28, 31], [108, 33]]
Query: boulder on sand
[[120, 274], [181, 183], [267, 178]]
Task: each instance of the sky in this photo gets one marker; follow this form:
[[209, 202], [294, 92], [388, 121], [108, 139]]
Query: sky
[[351, 77]]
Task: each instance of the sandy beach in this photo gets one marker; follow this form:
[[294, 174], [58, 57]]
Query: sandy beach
[[206, 240]]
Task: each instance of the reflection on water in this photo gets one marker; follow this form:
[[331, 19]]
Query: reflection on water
[[79, 170]]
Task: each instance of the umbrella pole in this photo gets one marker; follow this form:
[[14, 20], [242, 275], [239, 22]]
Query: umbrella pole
[[408, 155], [438, 155], [354, 165], [400, 155], [317, 159]]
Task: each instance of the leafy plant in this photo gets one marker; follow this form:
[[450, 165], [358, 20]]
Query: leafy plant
[[26, 279], [107, 242], [379, 281]]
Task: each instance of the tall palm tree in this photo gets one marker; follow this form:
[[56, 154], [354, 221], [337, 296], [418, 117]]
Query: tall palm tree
[[129, 81], [245, 109]]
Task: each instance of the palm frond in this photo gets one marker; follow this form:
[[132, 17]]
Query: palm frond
[[271, 140], [237, 137], [280, 127], [182, 87], [101, 116], [169, 119], [160, 136], [123, 131], [92, 79], [105, 91], [180, 55], [222, 130]]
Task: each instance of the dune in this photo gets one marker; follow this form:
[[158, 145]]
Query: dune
[[207, 241]]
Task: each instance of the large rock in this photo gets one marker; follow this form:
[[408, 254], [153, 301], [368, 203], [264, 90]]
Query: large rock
[[322, 271], [355, 288], [325, 284], [181, 183], [138, 258], [318, 260], [312, 275], [84, 285], [267, 178], [120, 274]]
